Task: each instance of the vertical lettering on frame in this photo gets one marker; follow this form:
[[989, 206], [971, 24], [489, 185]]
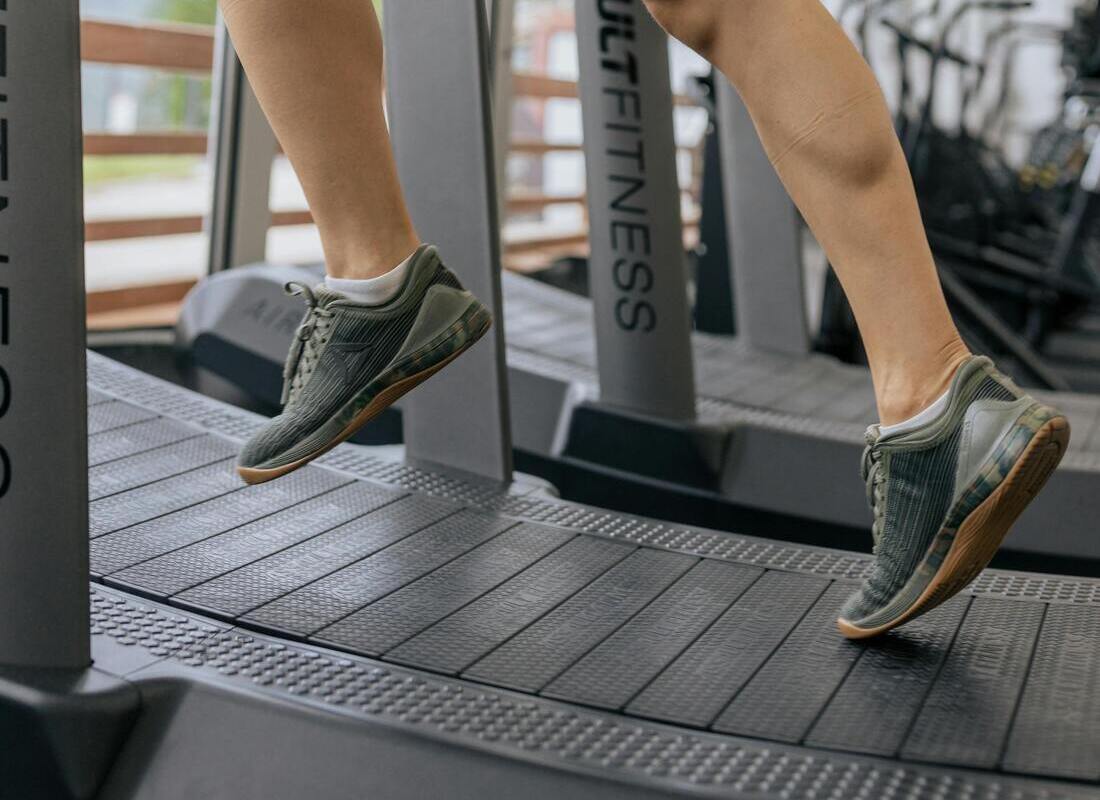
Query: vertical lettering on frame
[[629, 231], [5, 255]]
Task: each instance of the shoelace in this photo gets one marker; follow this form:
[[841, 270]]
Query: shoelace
[[874, 480], [311, 333]]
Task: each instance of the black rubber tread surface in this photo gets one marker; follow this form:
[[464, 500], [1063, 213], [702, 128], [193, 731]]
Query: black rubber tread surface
[[144, 502], [467, 634], [136, 438], [874, 707], [990, 659], [539, 653], [361, 462], [658, 621], [273, 576], [151, 466], [783, 699], [214, 556], [695, 688], [307, 610], [624, 663], [1057, 727], [115, 414], [139, 639], [405, 612], [95, 397], [173, 524]]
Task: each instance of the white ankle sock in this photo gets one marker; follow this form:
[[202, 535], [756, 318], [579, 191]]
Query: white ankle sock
[[919, 419], [372, 290]]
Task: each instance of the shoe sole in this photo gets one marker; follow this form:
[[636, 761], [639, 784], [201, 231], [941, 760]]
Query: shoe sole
[[981, 533], [383, 400]]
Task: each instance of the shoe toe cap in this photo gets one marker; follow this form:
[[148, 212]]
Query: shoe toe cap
[[268, 444]]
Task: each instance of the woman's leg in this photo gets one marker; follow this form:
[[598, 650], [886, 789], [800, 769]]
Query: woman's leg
[[826, 128], [945, 486], [390, 314], [316, 69]]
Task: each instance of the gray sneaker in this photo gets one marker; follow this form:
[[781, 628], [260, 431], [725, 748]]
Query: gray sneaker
[[945, 495], [349, 361]]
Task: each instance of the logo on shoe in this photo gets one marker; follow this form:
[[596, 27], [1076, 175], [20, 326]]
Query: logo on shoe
[[352, 356]]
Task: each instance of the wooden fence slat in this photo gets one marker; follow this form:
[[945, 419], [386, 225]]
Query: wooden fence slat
[[173, 47], [118, 144]]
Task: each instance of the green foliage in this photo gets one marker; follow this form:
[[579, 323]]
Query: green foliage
[[104, 169], [201, 12]]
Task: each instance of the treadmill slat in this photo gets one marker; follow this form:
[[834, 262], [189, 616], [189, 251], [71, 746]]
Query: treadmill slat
[[266, 579], [114, 414], [136, 438], [784, 698], [990, 658], [453, 643], [1057, 727], [536, 656], [146, 502], [626, 661], [698, 684], [154, 465], [185, 567], [307, 610], [873, 709], [221, 507]]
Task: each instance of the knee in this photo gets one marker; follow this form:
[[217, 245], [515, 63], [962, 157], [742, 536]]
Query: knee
[[693, 22]]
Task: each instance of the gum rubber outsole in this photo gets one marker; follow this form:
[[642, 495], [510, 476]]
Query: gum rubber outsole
[[383, 400], [981, 533]]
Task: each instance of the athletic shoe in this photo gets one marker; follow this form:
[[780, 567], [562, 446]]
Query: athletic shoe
[[349, 361], [945, 494]]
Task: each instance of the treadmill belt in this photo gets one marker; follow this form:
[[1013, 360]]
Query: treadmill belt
[[645, 621]]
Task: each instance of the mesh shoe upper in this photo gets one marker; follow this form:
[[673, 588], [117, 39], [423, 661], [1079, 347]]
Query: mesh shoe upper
[[912, 484], [339, 348]]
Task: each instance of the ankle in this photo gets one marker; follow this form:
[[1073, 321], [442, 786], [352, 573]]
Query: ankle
[[361, 261], [901, 394]]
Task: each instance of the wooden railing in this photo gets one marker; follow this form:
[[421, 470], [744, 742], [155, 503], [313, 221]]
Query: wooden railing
[[190, 49]]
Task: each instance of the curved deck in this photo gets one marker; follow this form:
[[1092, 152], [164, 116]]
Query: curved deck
[[617, 650]]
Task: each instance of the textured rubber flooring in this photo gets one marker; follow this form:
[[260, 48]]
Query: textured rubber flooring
[[702, 630]]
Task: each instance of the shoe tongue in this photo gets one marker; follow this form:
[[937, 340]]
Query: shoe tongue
[[872, 434]]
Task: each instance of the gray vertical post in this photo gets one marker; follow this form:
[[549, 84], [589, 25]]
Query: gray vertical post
[[441, 125], [501, 34], [43, 402], [764, 235], [637, 267], [242, 148]]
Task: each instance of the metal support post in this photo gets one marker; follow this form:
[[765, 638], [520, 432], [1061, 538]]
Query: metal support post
[[637, 267], [43, 396], [501, 20], [242, 148], [764, 234], [443, 141]]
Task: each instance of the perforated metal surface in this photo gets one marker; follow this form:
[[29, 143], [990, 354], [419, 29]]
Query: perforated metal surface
[[645, 619]]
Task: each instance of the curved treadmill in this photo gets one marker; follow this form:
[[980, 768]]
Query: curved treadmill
[[771, 432], [364, 628]]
